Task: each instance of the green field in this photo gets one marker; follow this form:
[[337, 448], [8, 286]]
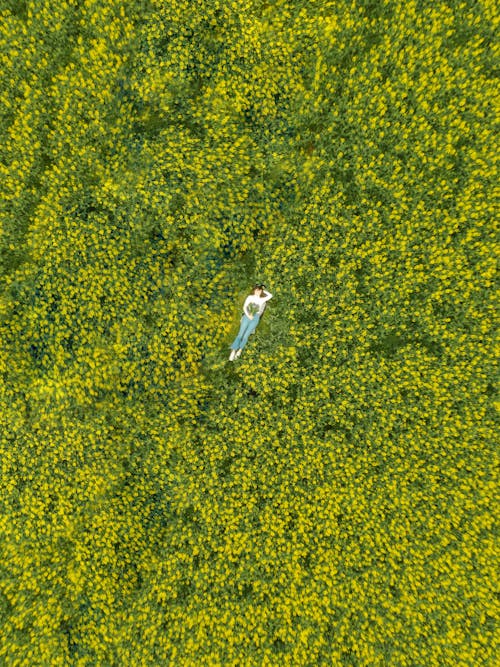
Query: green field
[[328, 499]]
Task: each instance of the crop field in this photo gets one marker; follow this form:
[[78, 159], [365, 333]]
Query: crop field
[[329, 499]]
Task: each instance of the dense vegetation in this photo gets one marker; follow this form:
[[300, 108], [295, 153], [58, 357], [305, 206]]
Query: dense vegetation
[[328, 498]]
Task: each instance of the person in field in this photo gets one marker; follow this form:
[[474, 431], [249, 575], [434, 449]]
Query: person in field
[[253, 308]]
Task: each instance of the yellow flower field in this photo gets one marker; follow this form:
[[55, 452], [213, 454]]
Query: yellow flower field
[[329, 497]]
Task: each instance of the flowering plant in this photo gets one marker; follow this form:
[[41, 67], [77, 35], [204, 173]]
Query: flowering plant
[[253, 308]]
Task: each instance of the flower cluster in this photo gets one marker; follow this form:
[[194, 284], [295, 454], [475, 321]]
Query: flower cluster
[[328, 498]]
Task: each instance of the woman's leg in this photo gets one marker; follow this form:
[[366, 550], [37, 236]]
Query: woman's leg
[[245, 323], [248, 331]]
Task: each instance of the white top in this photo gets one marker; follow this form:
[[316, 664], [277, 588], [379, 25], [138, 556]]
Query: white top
[[259, 301]]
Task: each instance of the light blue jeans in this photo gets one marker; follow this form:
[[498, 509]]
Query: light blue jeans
[[247, 327]]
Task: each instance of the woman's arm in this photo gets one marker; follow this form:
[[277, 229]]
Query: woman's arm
[[268, 295]]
